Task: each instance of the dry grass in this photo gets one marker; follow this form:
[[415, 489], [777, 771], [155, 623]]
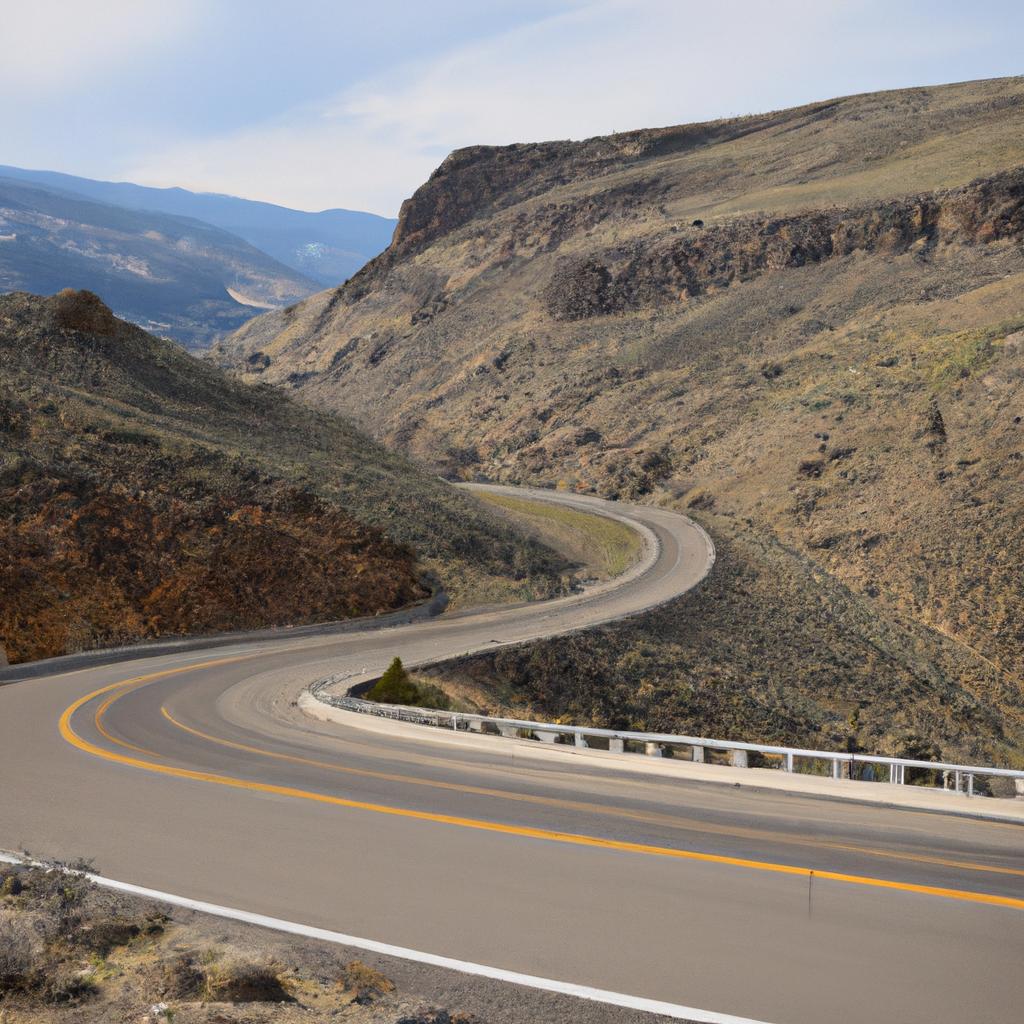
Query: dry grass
[[602, 547], [71, 952]]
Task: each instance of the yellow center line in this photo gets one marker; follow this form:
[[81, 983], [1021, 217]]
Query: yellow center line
[[648, 817], [103, 731], [70, 736]]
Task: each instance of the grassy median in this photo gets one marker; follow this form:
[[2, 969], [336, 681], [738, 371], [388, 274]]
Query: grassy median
[[603, 547]]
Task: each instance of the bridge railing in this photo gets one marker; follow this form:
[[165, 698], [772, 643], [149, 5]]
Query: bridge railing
[[840, 764]]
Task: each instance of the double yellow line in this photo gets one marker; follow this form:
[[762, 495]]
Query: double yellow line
[[68, 733]]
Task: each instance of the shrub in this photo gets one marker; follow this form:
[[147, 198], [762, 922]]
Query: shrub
[[395, 687], [64, 983], [366, 982], [10, 885], [180, 977], [19, 949], [105, 935], [244, 981]]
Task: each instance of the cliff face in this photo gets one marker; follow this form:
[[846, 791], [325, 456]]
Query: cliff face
[[144, 494], [764, 319], [475, 182], [638, 276]]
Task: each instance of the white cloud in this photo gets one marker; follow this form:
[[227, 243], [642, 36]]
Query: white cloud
[[51, 44], [602, 67]]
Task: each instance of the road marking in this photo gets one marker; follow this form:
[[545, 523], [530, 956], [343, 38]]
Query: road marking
[[596, 842], [102, 729], [580, 805], [597, 995]]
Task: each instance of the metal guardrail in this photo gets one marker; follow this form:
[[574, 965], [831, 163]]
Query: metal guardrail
[[956, 777]]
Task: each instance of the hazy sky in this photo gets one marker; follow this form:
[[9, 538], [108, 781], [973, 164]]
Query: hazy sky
[[315, 104]]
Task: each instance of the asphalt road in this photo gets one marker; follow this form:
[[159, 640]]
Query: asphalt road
[[195, 773]]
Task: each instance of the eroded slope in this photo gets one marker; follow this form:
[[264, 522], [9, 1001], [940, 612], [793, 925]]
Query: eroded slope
[[143, 493], [807, 323]]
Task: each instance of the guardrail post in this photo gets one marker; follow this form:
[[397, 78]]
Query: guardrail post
[[508, 731], [616, 745], [787, 763], [697, 754], [1018, 785], [835, 767], [970, 783], [739, 759], [580, 740], [652, 749], [475, 726]]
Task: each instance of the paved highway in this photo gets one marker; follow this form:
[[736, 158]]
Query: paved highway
[[195, 773]]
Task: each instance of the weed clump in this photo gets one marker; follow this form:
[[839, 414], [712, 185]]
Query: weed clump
[[365, 982], [244, 981]]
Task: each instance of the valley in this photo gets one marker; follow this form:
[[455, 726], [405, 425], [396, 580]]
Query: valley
[[803, 327], [512, 513]]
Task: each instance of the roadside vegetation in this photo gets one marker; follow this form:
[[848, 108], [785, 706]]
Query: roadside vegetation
[[767, 649], [71, 952], [396, 686], [601, 547]]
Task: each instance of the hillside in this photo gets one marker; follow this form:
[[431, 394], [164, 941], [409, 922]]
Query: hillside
[[327, 246], [177, 277], [805, 326], [144, 494]]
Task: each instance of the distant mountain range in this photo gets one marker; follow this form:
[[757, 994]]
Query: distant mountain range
[[180, 264], [328, 246]]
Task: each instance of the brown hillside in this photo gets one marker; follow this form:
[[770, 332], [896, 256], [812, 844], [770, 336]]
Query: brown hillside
[[143, 494], [808, 324]]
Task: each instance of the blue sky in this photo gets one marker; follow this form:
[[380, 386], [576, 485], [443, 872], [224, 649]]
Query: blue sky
[[316, 104]]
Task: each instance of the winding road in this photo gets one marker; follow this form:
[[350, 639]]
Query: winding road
[[196, 773]]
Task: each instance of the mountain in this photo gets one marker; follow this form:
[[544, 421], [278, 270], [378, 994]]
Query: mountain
[[806, 327], [178, 277], [328, 246], [146, 494]]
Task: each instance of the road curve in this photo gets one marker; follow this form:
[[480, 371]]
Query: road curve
[[195, 773]]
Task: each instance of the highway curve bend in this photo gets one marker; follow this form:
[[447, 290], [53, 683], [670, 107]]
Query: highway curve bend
[[195, 773]]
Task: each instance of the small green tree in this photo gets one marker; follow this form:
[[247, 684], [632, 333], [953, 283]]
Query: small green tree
[[395, 686]]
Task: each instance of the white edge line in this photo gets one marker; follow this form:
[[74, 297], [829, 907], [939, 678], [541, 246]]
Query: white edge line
[[597, 995]]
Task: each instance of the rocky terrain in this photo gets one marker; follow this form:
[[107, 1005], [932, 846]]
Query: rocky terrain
[[144, 494], [805, 326], [175, 276], [71, 951]]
